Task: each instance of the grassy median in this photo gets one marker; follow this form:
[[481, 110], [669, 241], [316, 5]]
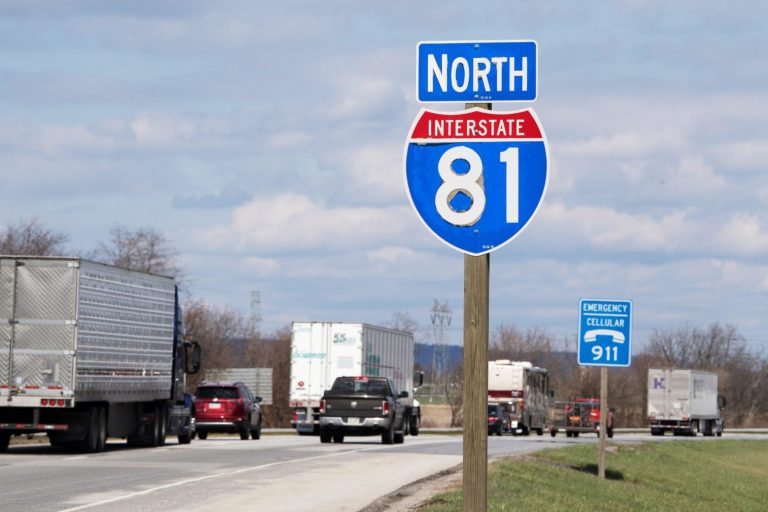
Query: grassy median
[[680, 476]]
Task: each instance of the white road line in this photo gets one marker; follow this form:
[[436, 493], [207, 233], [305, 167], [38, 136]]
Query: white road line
[[202, 478]]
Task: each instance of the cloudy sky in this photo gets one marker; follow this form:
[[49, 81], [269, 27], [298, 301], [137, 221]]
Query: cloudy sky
[[265, 140]]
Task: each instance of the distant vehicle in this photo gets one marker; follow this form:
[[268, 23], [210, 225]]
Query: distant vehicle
[[363, 406], [227, 407], [498, 419], [90, 351], [579, 417], [323, 351], [685, 402], [524, 391]]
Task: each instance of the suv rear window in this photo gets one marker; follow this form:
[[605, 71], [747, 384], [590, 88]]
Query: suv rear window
[[217, 392]]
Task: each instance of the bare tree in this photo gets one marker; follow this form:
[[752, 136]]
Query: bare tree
[[216, 330], [30, 238], [403, 321], [274, 352], [144, 249]]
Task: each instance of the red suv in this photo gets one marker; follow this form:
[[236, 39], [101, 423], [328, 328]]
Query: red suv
[[227, 407]]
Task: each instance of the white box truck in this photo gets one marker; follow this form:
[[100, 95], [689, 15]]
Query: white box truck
[[323, 351], [90, 350], [523, 390], [685, 402]]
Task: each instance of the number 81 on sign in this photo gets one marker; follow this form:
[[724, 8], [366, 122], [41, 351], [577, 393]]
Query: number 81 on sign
[[476, 177]]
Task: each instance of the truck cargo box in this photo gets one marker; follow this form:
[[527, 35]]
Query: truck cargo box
[[679, 394], [84, 331]]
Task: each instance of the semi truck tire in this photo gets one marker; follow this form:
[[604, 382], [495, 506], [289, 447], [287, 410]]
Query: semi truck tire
[[95, 437], [5, 440]]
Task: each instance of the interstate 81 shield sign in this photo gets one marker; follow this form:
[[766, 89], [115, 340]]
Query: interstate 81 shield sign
[[476, 177]]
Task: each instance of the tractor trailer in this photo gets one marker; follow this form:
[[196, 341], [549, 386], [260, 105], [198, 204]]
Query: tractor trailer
[[323, 351], [685, 402], [90, 351]]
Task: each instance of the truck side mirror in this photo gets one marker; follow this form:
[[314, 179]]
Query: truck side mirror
[[418, 379], [195, 358]]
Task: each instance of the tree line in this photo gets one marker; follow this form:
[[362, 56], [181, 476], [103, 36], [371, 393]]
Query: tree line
[[230, 340]]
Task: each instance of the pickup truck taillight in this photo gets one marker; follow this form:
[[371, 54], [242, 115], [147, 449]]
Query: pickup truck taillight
[[322, 406], [384, 408]]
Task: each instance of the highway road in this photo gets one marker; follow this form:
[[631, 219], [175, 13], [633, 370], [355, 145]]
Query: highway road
[[278, 472]]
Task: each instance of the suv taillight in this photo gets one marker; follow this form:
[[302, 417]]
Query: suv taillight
[[322, 406], [384, 408]]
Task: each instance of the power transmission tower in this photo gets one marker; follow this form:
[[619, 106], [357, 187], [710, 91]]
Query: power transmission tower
[[441, 319], [256, 312]]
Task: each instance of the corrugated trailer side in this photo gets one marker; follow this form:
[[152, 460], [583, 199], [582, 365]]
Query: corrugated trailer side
[[125, 334], [388, 353]]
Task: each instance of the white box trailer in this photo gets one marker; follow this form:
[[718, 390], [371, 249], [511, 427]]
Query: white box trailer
[[523, 389], [684, 401], [323, 351], [89, 350]]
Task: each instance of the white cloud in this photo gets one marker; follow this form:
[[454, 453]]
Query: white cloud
[[743, 234], [291, 222]]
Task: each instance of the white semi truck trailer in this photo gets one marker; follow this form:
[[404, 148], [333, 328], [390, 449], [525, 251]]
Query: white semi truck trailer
[[323, 351], [90, 351], [684, 402]]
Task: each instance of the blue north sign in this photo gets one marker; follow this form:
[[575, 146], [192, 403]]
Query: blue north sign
[[479, 71]]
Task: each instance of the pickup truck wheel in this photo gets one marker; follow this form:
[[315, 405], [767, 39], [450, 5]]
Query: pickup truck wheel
[[399, 437], [414, 426], [325, 436], [245, 434], [202, 435], [338, 437], [500, 429], [388, 436]]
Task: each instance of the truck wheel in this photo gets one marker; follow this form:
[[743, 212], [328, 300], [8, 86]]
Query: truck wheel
[[500, 429], [202, 435], [185, 437], [325, 436], [539, 431], [575, 434], [95, 431], [388, 436], [161, 421], [5, 440], [338, 437], [553, 432], [415, 423], [245, 434]]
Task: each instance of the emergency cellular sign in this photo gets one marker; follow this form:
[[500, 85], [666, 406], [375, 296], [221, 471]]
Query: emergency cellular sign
[[476, 71], [605, 328]]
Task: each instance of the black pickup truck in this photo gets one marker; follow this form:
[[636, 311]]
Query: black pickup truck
[[362, 406]]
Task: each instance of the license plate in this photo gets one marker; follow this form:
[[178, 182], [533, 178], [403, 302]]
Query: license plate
[[353, 421], [214, 406]]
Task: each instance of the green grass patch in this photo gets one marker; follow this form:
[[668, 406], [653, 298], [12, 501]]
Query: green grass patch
[[680, 476]]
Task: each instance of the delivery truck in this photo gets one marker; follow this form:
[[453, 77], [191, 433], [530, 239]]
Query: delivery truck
[[685, 402], [90, 351], [323, 351], [523, 391]]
